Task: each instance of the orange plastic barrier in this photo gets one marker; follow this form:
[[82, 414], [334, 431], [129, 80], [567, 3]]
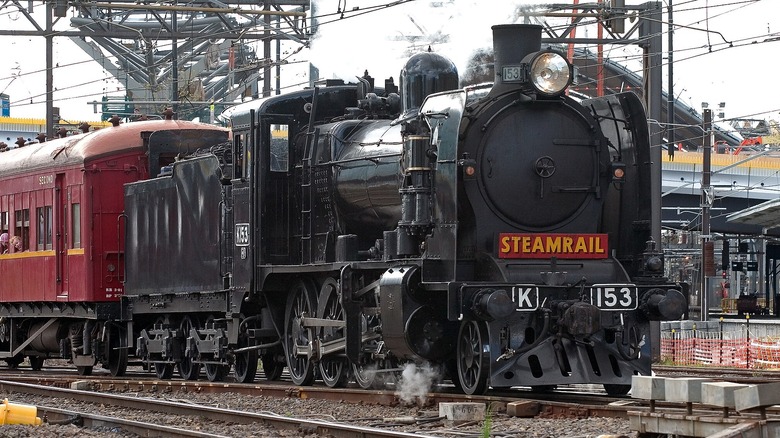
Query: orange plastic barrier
[[735, 349]]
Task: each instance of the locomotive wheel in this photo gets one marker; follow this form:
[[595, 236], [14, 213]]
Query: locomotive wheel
[[85, 370], [164, 371], [473, 365], [188, 370], [334, 370], [389, 378], [245, 367], [216, 372], [272, 368], [36, 362], [451, 366], [365, 375], [301, 302], [372, 376], [615, 389], [14, 362]]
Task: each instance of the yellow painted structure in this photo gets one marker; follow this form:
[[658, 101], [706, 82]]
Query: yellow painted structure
[[723, 160], [15, 413], [39, 125]]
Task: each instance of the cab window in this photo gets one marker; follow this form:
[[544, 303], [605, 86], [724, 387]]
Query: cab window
[[280, 148], [243, 163]]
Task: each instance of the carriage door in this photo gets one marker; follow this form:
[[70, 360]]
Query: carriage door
[[60, 252]]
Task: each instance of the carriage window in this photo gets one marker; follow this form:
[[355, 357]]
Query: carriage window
[[44, 215], [22, 228], [3, 222], [280, 149], [75, 223]]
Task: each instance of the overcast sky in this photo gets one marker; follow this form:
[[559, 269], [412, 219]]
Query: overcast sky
[[724, 52]]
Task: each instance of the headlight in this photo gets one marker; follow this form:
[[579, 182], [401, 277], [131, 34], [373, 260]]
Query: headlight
[[550, 73]]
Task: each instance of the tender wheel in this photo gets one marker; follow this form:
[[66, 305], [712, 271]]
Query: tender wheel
[[36, 362], [246, 363], [617, 389], [187, 369], [301, 302], [164, 371], [334, 369], [117, 351], [473, 365], [85, 370], [215, 372], [272, 368]]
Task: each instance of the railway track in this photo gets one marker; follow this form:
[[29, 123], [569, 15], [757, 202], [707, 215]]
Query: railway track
[[540, 409], [167, 408], [93, 421], [577, 401], [137, 393]]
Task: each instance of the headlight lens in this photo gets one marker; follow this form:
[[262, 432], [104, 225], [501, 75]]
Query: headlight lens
[[550, 73]]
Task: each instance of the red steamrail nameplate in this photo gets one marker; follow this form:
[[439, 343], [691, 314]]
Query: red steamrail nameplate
[[562, 246]]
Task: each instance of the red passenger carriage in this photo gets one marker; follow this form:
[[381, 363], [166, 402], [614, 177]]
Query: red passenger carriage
[[63, 201]]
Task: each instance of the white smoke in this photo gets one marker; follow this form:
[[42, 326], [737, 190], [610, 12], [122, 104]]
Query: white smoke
[[416, 382], [381, 40]]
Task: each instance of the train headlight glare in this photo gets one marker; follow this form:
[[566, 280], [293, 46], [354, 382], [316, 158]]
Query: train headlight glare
[[550, 73]]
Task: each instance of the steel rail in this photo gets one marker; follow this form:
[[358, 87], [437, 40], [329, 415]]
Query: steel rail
[[219, 414], [93, 421]]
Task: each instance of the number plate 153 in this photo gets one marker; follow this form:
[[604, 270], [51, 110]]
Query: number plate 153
[[614, 296]]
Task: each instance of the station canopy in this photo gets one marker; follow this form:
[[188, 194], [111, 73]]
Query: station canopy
[[765, 215]]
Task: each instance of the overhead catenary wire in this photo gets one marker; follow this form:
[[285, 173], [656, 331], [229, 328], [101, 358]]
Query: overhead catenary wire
[[341, 14]]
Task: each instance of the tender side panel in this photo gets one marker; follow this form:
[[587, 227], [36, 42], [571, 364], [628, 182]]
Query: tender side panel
[[173, 230]]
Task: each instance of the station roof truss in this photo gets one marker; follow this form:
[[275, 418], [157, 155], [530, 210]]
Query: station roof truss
[[197, 48], [152, 44]]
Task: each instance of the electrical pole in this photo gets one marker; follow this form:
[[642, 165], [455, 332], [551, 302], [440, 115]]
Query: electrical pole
[[49, 8], [175, 59], [670, 119], [706, 203], [650, 35]]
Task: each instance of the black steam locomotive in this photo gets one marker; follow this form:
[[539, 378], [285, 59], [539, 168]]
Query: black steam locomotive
[[497, 232]]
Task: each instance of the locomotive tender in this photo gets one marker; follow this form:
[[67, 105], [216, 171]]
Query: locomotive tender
[[495, 231]]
